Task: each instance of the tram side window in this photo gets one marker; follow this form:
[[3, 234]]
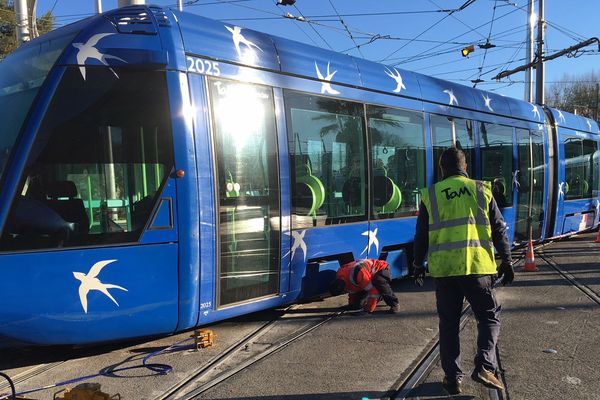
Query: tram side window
[[327, 151], [579, 168], [398, 160], [447, 132], [98, 163], [496, 145], [591, 154]]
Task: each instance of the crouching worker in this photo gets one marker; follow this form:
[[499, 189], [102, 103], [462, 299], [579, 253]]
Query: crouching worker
[[365, 281]]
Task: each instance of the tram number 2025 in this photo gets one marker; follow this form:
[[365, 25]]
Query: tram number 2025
[[203, 66]]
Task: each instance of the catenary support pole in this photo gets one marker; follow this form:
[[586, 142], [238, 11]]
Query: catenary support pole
[[180, 5], [22, 20], [125, 3], [528, 95], [539, 68], [98, 6]]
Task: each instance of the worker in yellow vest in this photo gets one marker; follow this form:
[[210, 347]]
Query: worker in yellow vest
[[458, 225]]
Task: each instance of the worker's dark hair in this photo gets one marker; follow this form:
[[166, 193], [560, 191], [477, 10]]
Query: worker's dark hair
[[452, 159], [337, 287]]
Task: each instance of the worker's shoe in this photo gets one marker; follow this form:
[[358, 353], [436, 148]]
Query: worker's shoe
[[394, 309], [487, 378], [452, 386]]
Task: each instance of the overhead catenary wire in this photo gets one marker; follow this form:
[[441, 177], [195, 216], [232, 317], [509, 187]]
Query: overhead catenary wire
[[487, 42], [408, 59], [348, 30]]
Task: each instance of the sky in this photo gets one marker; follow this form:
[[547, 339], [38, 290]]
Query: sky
[[424, 36]]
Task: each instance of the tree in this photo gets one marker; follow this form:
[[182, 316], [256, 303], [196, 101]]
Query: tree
[[576, 94], [8, 36]]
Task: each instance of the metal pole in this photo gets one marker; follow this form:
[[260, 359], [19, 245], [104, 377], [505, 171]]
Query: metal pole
[[125, 3], [22, 20], [597, 100], [180, 5], [98, 6], [539, 68], [529, 73]]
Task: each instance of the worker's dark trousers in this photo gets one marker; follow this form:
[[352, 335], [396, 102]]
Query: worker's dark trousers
[[478, 291], [381, 280]]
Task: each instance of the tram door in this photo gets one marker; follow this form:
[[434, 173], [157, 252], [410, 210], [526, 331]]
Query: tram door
[[245, 152], [530, 188]]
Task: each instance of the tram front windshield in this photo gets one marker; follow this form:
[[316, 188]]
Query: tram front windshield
[[21, 76]]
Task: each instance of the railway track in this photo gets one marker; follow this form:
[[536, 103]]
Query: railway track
[[417, 375], [259, 344]]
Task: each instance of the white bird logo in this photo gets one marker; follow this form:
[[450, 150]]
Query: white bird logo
[[299, 242], [397, 77], [87, 50], [236, 35], [488, 101], [561, 189], [597, 206], [326, 86], [90, 281], [561, 116], [453, 99], [535, 111], [515, 179], [372, 241], [589, 124]]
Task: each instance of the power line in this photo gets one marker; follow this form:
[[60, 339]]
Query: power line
[[348, 30], [409, 59], [486, 42], [313, 28]]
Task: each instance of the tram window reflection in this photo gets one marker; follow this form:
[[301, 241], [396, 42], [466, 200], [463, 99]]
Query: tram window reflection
[[398, 160], [447, 132], [579, 168], [327, 154], [496, 149], [97, 167]]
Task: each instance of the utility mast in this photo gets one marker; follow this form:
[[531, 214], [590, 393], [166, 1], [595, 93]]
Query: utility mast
[[22, 19], [539, 68], [125, 3], [531, 19]]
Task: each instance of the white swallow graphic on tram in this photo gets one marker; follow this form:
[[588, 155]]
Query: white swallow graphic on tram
[[535, 111], [589, 124], [453, 99], [561, 116], [397, 77], [561, 189], [326, 86], [236, 35], [597, 206], [488, 101], [515, 179], [372, 241], [87, 50], [90, 281], [299, 242]]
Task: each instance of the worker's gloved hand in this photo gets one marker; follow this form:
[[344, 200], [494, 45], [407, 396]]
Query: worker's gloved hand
[[418, 274], [506, 273]]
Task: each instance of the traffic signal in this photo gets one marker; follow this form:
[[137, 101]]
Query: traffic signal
[[467, 50]]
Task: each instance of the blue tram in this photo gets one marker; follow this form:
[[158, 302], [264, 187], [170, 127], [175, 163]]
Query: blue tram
[[160, 171]]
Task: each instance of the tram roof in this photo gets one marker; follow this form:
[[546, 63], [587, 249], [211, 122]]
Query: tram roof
[[145, 35]]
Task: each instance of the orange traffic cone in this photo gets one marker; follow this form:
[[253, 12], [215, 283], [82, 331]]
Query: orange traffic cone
[[530, 259], [598, 237]]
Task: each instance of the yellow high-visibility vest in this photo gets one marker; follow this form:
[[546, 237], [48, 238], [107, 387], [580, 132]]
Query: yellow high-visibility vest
[[460, 234]]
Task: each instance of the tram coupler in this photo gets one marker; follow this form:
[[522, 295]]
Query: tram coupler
[[203, 338], [85, 391]]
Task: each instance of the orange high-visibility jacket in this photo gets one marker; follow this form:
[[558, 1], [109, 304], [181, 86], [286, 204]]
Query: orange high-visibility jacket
[[358, 275]]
